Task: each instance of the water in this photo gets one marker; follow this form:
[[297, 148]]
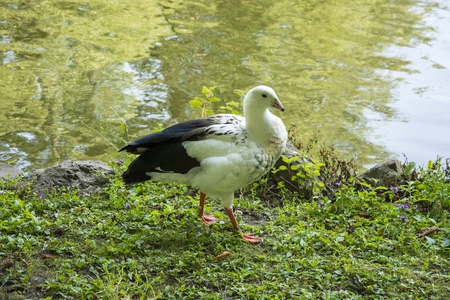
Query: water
[[370, 77], [421, 126]]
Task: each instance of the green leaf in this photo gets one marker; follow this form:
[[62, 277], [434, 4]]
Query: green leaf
[[445, 243], [239, 92], [213, 99], [430, 240], [206, 90], [421, 186], [195, 103]]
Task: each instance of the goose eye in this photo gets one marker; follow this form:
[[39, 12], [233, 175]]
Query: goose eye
[[264, 95]]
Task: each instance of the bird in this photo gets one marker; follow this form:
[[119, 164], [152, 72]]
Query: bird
[[218, 154]]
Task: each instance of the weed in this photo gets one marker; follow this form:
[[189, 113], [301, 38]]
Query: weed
[[208, 98], [146, 242]]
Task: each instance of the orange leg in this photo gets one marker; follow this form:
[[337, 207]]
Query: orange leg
[[208, 220], [249, 237]]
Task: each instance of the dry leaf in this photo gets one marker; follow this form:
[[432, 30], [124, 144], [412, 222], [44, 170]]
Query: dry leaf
[[220, 256], [364, 215], [427, 231], [45, 256]]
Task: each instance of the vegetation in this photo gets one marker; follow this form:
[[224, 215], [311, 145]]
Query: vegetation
[[145, 242], [208, 99]]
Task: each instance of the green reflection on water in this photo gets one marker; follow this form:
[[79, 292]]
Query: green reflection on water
[[65, 64]]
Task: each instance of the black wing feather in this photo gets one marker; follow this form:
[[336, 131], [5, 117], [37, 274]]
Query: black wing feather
[[174, 132], [166, 156], [163, 151]]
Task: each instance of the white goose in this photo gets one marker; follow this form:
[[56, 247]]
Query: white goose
[[217, 155]]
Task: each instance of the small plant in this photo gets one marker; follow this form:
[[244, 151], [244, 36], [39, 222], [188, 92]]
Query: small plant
[[430, 185], [321, 164], [301, 173], [110, 136], [204, 102]]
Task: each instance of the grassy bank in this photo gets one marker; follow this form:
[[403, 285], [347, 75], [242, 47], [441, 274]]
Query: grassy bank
[[145, 242]]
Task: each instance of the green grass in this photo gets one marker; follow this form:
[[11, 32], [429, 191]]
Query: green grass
[[145, 242]]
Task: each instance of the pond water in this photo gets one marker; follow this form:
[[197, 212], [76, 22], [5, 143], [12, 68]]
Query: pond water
[[78, 78]]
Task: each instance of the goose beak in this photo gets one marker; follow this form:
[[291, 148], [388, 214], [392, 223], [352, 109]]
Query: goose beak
[[277, 104]]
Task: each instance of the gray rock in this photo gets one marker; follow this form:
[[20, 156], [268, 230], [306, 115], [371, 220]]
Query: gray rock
[[384, 174], [82, 175], [9, 172]]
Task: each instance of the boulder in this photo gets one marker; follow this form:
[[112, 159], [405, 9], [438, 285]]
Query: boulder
[[82, 175], [384, 174], [9, 172]]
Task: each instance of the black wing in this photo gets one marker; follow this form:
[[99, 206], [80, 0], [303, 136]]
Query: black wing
[[164, 152], [171, 134]]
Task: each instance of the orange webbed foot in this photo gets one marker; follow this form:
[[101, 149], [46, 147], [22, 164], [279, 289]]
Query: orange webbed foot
[[251, 238], [208, 220]]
